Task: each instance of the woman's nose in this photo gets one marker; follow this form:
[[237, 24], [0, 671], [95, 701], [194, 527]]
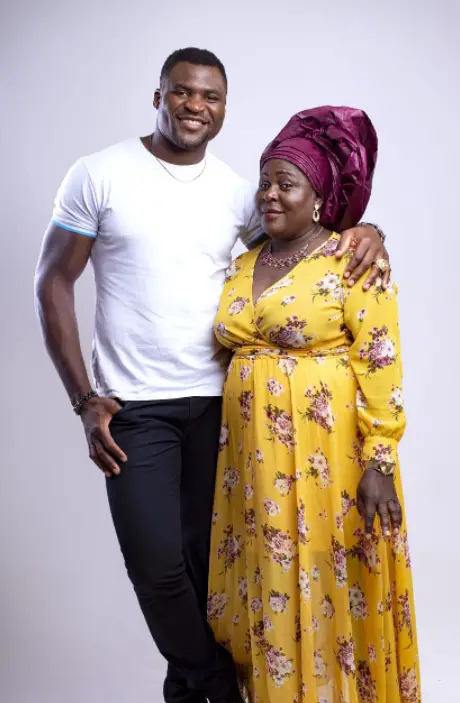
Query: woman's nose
[[271, 194]]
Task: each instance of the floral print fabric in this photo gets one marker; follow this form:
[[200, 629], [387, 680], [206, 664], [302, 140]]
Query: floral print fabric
[[310, 610]]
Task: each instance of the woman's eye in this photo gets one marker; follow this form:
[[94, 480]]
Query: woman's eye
[[264, 186], [285, 186]]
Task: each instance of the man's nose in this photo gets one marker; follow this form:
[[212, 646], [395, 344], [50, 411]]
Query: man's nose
[[194, 104]]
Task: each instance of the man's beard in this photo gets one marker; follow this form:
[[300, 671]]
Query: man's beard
[[188, 144]]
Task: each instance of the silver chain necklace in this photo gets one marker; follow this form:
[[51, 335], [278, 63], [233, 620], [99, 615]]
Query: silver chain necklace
[[267, 258], [180, 180]]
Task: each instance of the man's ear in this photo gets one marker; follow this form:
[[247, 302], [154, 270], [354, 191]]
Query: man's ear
[[157, 98]]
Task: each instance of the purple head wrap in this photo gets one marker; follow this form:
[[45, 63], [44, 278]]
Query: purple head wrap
[[336, 149]]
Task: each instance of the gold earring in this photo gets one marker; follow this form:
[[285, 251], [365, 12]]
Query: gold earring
[[316, 213]]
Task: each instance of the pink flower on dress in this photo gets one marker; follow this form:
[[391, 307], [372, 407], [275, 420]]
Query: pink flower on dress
[[284, 483], [217, 602], [291, 335], [280, 426], [380, 352], [339, 563], [279, 546], [268, 625], [250, 522], [409, 686], [259, 456], [231, 480], [248, 491], [302, 527], [287, 365], [271, 508], [245, 400], [345, 655], [358, 604], [320, 664], [223, 439], [288, 300], [245, 372], [319, 469], [274, 388], [243, 589], [366, 685], [320, 410], [304, 585], [279, 667], [327, 607], [237, 306], [221, 329], [278, 601], [230, 547], [256, 605], [348, 503]]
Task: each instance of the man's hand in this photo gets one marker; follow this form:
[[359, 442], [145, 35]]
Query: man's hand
[[368, 248], [377, 495], [96, 416]]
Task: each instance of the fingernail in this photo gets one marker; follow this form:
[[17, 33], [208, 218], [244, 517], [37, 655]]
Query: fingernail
[[351, 282], [366, 286], [107, 475], [346, 274]]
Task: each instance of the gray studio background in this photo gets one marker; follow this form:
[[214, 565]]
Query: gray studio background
[[77, 76]]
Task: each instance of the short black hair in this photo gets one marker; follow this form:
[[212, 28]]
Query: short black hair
[[197, 57]]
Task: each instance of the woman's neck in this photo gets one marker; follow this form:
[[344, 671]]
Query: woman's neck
[[316, 234]]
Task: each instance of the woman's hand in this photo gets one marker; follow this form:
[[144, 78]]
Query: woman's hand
[[377, 494], [368, 248]]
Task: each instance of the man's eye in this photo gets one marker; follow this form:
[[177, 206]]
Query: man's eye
[[212, 98]]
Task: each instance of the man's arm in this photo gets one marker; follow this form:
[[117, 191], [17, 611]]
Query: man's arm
[[62, 260]]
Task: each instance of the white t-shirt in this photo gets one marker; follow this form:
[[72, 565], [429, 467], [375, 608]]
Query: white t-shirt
[[161, 250]]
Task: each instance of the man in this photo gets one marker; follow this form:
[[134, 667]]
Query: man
[[158, 217]]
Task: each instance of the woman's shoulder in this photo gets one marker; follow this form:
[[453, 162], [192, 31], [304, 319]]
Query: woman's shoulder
[[242, 262]]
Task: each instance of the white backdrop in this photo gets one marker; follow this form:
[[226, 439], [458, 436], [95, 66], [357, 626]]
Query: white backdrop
[[76, 77]]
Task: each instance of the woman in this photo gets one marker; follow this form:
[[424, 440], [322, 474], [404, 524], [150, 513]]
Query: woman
[[313, 600]]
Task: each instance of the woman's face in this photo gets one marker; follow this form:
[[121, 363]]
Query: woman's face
[[285, 200]]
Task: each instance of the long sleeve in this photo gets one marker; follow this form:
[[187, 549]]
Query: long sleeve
[[375, 356]]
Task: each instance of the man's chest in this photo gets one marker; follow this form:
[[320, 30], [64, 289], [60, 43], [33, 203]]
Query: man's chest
[[151, 221]]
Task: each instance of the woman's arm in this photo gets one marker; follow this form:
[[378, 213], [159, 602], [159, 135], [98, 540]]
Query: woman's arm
[[375, 357]]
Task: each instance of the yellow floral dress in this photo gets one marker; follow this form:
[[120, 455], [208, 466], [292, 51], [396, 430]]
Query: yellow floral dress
[[309, 609]]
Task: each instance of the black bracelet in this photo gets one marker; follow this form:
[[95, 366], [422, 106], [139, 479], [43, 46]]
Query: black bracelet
[[78, 405], [378, 229]]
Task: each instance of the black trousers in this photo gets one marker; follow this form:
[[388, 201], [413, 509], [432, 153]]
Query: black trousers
[[161, 505]]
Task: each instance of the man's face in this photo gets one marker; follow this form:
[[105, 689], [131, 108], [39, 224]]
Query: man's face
[[191, 105]]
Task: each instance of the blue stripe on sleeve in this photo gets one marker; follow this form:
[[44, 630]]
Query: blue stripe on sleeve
[[72, 229]]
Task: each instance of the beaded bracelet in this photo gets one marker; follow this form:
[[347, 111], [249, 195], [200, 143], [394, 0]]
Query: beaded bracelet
[[78, 405]]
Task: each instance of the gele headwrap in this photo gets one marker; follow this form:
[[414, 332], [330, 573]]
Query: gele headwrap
[[336, 149]]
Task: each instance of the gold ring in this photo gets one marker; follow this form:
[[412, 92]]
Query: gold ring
[[382, 265]]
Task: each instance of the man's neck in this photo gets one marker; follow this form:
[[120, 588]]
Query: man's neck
[[166, 151]]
